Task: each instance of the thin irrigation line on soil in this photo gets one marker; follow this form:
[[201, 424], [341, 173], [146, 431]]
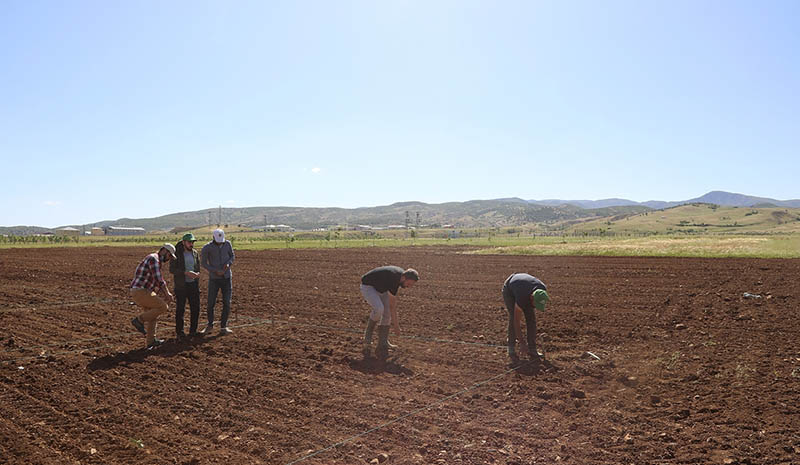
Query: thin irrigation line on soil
[[409, 414], [260, 322], [256, 322], [56, 305]]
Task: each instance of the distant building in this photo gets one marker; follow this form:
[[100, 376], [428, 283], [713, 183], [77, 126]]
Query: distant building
[[124, 231], [98, 231], [68, 231], [278, 227]]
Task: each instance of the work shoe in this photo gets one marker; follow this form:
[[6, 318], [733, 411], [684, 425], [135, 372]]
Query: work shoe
[[138, 325], [156, 342], [225, 331], [383, 342], [366, 351], [180, 335], [208, 329], [368, 332]]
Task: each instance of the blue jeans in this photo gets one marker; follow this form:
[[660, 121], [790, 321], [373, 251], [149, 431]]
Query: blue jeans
[[214, 286]]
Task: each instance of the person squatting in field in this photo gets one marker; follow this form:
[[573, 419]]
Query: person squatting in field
[[521, 293], [379, 287], [147, 283], [217, 257], [185, 271]]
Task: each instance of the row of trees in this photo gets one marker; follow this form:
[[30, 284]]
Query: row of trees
[[11, 239], [38, 239]]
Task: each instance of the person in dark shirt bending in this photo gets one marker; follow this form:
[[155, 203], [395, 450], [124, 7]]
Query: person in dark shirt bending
[[379, 287], [521, 293]]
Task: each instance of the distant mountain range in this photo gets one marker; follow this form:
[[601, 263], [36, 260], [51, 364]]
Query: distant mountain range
[[470, 214], [722, 198]]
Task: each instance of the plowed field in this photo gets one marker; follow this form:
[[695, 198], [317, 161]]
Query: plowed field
[[690, 370]]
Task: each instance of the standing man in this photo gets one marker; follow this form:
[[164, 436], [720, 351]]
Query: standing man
[[217, 258], [146, 285], [521, 293], [379, 287], [185, 270]]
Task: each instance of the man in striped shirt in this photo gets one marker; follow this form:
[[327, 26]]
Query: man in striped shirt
[[146, 286]]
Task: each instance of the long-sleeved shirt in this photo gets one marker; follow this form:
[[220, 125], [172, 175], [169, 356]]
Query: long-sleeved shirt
[[215, 256], [148, 274]]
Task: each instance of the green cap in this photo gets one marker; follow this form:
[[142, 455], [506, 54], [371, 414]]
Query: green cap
[[539, 298], [188, 237]]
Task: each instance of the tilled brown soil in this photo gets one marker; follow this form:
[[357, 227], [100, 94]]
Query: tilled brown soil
[[689, 371]]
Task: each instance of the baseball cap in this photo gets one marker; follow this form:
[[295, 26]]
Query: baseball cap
[[188, 237], [170, 248], [219, 235], [539, 298]]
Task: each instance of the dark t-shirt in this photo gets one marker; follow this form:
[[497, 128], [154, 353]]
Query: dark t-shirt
[[384, 278], [522, 285]]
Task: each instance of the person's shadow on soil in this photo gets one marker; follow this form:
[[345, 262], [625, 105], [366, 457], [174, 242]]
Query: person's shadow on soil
[[373, 366], [170, 348]]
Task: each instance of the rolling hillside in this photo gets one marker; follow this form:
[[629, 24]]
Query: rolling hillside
[[472, 214], [697, 217], [722, 198]]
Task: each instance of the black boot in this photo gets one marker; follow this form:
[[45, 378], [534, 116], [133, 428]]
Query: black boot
[[382, 352], [368, 338]]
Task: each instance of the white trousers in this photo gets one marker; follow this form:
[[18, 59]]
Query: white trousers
[[379, 301]]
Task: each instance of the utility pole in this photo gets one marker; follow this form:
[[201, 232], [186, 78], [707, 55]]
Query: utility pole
[[408, 220], [219, 218], [417, 220], [265, 223]]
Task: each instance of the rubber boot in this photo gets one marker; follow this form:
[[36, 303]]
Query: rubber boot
[[383, 342], [368, 337]]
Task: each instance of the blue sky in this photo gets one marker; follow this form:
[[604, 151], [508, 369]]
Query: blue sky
[[138, 109]]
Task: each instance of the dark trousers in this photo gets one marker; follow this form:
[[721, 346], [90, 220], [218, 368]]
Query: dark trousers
[[190, 291], [214, 286], [530, 322]]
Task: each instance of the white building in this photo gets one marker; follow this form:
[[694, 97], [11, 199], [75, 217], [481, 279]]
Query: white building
[[279, 227], [124, 231]]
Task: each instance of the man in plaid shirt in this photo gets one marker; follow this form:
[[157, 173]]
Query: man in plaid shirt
[[146, 285]]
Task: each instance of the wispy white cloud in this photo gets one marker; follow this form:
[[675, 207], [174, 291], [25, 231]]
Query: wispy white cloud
[[316, 170], [52, 203], [230, 202]]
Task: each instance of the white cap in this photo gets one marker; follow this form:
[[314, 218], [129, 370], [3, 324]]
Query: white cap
[[219, 235], [170, 248]]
